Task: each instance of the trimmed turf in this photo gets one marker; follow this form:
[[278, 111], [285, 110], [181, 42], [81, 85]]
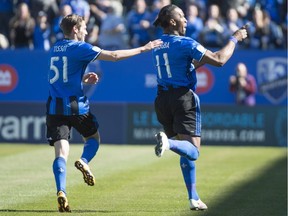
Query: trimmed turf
[[130, 180]]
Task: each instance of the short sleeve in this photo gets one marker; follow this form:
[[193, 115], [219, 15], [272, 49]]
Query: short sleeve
[[197, 51], [88, 52]]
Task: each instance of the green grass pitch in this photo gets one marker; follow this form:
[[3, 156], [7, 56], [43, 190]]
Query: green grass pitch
[[131, 180]]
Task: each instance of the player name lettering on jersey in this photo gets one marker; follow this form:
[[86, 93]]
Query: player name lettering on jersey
[[60, 48], [165, 45]]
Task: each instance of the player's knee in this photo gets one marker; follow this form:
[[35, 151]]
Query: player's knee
[[194, 155], [95, 136]]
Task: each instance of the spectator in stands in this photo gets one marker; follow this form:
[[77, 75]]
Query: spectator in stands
[[194, 22], [201, 6], [98, 12], [234, 22], [213, 33], [42, 32], [80, 7], [226, 4], [276, 9], [264, 33], [117, 5], [276, 38], [50, 7], [128, 4], [21, 28], [113, 32], [57, 32], [243, 85], [138, 24]]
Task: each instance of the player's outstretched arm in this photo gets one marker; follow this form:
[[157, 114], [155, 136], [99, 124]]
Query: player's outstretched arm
[[123, 54], [219, 58]]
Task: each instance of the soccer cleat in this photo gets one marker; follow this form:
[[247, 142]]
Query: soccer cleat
[[162, 144], [62, 202], [87, 174], [197, 205]]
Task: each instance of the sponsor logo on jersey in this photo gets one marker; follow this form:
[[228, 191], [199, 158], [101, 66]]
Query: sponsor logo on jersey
[[272, 78], [205, 80], [8, 78]]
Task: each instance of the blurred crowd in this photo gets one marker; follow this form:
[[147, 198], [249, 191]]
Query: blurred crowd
[[119, 24]]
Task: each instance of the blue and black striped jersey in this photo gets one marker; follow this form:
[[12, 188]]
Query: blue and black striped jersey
[[68, 61], [173, 61]]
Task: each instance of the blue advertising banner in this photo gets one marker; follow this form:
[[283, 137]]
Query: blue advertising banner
[[26, 123], [23, 77], [126, 123], [221, 125], [230, 125]]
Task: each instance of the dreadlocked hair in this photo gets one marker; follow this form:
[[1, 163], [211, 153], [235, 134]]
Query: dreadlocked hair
[[164, 16]]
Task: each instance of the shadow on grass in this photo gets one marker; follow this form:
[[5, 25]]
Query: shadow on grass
[[265, 195]]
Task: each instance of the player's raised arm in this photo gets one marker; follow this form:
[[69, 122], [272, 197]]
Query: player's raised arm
[[219, 58], [123, 54]]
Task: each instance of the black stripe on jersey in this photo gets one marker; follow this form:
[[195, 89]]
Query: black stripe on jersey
[[48, 104], [74, 105], [59, 106]]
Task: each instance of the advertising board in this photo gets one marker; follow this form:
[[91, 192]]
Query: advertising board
[[137, 124]]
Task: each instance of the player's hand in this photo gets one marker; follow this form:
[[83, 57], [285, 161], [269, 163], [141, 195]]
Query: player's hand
[[242, 82], [152, 44], [233, 79], [241, 33], [90, 78]]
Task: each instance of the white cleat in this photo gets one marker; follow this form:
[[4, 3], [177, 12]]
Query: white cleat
[[162, 144], [197, 205]]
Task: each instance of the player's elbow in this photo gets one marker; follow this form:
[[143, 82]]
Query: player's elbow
[[215, 59], [221, 60], [109, 56], [115, 57], [219, 63]]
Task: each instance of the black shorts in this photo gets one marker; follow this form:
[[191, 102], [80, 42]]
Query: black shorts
[[59, 126], [178, 110]]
